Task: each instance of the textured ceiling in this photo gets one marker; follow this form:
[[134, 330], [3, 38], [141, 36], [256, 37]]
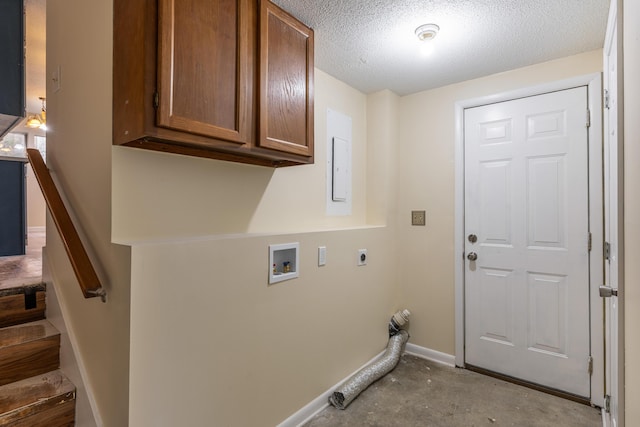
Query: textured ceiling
[[371, 45]]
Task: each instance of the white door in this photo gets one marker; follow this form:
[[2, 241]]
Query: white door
[[527, 226], [612, 218]]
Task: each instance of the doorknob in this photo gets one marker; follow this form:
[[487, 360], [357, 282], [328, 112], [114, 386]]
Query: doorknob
[[472, 238], [472, 256], [607, 292]]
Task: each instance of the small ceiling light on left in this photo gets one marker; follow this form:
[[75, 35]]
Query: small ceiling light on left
[[39, 120]]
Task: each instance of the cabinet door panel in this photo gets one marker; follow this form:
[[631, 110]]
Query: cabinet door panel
[[286, 82], [204, 79]]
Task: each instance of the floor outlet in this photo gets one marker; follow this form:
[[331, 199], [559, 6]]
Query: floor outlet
[[362, 257]]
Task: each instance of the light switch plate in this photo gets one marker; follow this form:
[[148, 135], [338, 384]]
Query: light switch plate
[[418, 217], [56, 79], [322, 255]]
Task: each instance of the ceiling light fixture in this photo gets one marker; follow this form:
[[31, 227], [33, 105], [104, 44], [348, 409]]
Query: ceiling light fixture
[[39, 120], [427, 32]]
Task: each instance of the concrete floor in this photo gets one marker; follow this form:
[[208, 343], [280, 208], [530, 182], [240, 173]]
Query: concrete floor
[[24, 269], [423, 393]]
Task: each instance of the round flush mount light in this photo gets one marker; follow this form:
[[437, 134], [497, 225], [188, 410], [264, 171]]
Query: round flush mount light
[[427, 32]]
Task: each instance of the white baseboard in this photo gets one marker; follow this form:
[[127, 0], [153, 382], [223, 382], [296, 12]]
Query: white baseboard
[[71, 362], [433, 355], [321, 402], [37, 229]]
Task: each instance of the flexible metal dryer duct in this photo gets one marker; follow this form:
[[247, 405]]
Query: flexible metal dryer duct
[[355, 385]]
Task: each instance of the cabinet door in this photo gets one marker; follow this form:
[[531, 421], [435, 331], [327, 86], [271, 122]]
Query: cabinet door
[[204, 78], [286, 82]]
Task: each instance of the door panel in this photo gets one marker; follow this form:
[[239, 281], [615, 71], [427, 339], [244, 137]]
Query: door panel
[[495, 212], [286, 82], [497, 320], [526, 198], [547, 218], [547, 300], [204, 61]]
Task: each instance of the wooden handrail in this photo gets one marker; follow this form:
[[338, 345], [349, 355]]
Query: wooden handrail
[[85, 273]]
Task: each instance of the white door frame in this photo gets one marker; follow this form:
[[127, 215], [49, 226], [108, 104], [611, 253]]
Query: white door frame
[[614, 179], [596, 262]]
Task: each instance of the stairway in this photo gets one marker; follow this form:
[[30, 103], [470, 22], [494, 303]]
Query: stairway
[[33, 391]]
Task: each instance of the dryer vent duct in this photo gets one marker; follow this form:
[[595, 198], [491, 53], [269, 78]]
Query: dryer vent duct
[[355, 385]]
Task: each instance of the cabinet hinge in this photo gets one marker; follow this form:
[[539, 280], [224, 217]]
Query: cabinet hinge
[[590, 365], [589, 243], [588, 118], [156, 99], [606, 99], [607, 250], [607, 403]]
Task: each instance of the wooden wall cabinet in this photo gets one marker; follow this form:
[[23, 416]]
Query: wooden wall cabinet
[[224, 79], [286, 82]]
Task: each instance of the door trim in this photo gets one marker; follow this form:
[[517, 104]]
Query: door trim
[[596, 262], [616, 172]]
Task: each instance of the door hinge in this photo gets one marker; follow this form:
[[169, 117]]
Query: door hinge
[[607, 250], [590, 365], [588, 118], [607, 403], [156, 99], [606, 99], [589, 243]]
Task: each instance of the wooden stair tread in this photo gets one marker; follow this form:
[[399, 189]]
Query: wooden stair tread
[[30, 396], [27, 350], [26, 332], [14, 302], [33, 391], [21, 289]]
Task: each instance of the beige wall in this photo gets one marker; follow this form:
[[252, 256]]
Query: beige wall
[[79, 156], [382, 159], [227, 340], [139, 196], [426, 181], [213, 344], [631, 46], [165, 195]]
